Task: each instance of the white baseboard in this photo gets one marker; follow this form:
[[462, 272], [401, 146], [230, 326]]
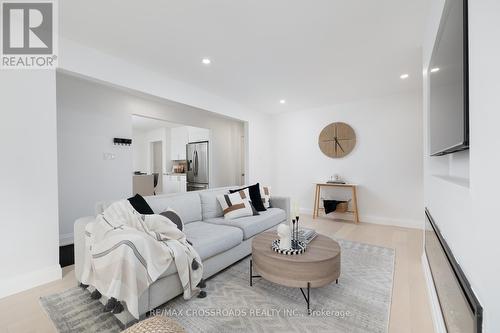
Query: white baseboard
[[29, 280], [406, 223], [437, 316], [66, 239]]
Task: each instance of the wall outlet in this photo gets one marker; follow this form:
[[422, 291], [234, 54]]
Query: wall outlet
[[108, 156]]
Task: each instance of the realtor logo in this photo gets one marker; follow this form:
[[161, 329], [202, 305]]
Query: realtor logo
[[28, 34]]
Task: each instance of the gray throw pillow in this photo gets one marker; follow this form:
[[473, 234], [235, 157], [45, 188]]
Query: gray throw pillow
[[174, 217]]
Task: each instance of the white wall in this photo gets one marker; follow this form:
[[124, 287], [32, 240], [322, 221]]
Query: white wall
[[139, 151], [28, 180], [386, 162], [87, 121], [90, 114], [461, 189], [482, 248]]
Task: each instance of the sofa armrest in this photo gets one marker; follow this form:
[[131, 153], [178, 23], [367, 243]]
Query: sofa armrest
[[79, 234], [283, 203], [101, 206]]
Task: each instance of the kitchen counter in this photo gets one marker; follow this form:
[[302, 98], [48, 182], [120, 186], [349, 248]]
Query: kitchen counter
[[174, 174]]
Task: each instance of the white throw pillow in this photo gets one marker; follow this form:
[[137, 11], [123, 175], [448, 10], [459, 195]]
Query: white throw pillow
[[265, 194], [245, 194], [234, 206]]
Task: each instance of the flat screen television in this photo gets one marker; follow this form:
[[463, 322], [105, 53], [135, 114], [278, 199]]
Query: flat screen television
[[449, 82]]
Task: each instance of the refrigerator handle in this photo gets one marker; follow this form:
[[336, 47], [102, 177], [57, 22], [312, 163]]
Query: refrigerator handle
[[195, 163]]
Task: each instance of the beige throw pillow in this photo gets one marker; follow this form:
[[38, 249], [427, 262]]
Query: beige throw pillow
[[265, 193], [234, 206]]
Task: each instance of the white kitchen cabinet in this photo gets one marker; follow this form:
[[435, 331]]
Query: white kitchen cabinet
[[169, 185], [174, 183], [196, 134], [182, 184], [179, 138]]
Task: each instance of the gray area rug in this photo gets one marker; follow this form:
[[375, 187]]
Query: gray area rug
[[359, 303], [74, 311]]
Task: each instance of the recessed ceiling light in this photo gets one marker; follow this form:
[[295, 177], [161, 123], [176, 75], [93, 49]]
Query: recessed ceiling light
[[282, 101], [206, 61], [435, 69], [404, 76]]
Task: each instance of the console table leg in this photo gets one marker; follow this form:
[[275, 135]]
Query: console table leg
[[355, 202], [316, 204]]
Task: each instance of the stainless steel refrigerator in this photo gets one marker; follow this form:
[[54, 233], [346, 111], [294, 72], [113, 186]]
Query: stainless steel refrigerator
[[197, 166]]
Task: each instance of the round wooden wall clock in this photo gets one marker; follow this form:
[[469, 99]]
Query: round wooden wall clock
[[337, 140]]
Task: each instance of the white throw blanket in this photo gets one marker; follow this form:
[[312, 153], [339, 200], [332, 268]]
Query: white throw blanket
[[125, 252]]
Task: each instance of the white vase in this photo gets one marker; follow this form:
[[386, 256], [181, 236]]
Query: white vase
[[285, 236]]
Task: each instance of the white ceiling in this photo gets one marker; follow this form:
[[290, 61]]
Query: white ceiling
[[145, 124], [311, 53]]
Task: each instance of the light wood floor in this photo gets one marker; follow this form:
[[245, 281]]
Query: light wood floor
[[410, 310]]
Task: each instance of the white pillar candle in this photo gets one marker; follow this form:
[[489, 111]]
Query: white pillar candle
[[284, 235]]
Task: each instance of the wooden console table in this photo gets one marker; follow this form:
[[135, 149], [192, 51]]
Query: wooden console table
[[317, 199]]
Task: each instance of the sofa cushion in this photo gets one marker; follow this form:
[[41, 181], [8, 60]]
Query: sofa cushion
[[253, 225], [211, 239], [187, 205], [210, 207]]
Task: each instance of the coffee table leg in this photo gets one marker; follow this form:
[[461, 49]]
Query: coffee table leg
[[308, 297], [251, 274]]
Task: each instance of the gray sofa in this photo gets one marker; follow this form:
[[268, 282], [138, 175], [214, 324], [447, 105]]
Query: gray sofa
[[219, 242]]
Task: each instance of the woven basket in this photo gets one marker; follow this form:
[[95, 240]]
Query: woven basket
[[156, 324], [342, 207]]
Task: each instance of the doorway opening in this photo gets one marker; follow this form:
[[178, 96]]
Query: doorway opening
[[184, 157]]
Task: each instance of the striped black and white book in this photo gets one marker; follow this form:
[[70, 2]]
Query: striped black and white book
[[307, 235]]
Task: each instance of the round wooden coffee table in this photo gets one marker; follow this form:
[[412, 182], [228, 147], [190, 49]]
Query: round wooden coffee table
[[318, 266]]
